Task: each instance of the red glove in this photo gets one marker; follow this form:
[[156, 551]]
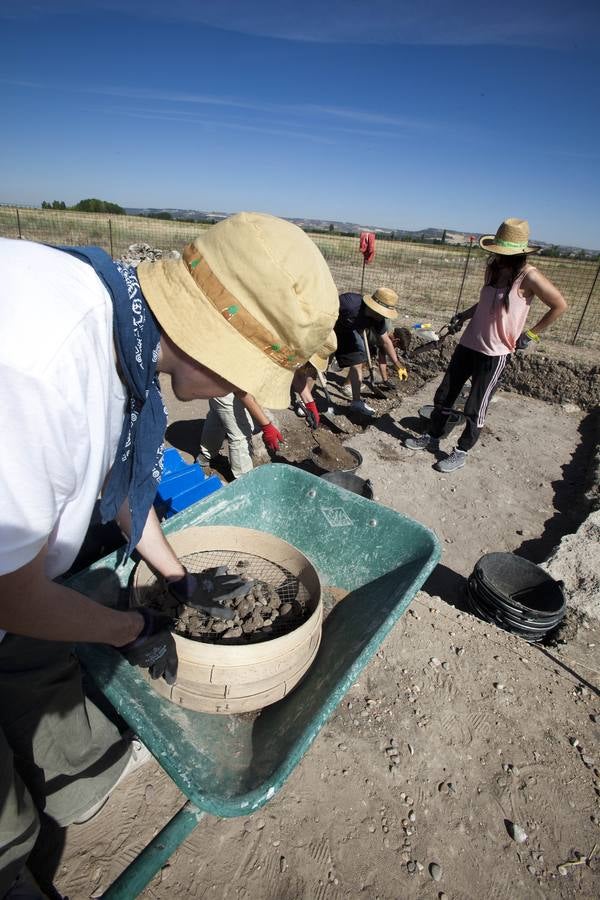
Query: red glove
[[312, 408], [271, 436]]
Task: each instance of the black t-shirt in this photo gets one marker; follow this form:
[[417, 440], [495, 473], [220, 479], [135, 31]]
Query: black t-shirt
[[354, 317]]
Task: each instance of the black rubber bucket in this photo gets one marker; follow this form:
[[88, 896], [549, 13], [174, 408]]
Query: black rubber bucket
[[354, 453], [516, 595], [354, 483], [455, 418]]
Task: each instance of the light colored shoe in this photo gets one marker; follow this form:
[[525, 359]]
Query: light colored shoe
[[359, 406], [138, 757], [456, 460], [346, 390], [424, 442]]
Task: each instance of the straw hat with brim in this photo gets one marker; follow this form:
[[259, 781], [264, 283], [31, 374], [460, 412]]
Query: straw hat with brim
[[320, 359], [251, 299], [511, 239], [384, 302]]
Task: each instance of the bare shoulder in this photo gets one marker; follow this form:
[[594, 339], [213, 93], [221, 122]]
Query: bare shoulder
[[534, 279], [535, 282], [529, 280]]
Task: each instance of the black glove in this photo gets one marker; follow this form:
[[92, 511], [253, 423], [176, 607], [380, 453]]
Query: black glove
[[154, 647], [311, 419], [523, 341], [456, 323], [208, 591]]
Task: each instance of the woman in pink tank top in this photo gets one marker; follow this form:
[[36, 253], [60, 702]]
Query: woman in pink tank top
[[495, 331]]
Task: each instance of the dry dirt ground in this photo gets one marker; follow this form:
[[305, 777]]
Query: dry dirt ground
[[488, 729]]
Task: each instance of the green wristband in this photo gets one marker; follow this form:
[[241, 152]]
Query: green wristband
[[533, 336]]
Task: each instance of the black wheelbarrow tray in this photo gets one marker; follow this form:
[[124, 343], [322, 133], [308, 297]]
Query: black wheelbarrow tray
[[232, 765]]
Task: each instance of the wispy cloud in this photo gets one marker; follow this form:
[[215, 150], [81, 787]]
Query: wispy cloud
[[316, 123], [545, 23], [212, 124], [302, 110]]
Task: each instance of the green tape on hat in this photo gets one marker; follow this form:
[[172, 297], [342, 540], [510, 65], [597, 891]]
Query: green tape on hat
[[513, 245]]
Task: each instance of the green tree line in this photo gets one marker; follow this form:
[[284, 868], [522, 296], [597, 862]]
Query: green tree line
[[92, 204]]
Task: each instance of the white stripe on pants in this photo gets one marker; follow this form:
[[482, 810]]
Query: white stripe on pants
[[485, 401]]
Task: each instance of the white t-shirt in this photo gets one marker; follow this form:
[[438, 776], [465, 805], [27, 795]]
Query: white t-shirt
[[61, 400]]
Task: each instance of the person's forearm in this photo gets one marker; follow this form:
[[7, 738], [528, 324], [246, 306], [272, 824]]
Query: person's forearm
[[153, 546], [387, 344], [468, 313], [38, 608], [254, 408], [551, 316], [306, 394]]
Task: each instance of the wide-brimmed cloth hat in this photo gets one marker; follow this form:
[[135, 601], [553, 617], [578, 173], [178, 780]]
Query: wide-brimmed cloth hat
[[383, 301], [511, 239], [320, 359], [251, 299]]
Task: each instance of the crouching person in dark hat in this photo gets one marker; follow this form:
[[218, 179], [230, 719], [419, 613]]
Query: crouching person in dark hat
[[82, 342], [304, 382]]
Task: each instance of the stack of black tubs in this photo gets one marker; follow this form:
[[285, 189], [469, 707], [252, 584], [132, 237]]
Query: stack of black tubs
[[516, 595]]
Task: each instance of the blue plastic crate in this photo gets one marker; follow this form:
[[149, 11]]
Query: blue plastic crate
[[181, 485], [198, 492], [173, 462]]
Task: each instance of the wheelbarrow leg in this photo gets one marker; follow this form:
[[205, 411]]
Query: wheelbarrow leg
[[132, 881]]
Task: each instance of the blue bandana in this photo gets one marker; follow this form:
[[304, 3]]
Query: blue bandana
[[137, 468]]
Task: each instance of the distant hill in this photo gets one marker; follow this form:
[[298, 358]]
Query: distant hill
[[451, 237]]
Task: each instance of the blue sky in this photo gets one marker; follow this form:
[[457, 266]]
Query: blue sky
[[382, 113]]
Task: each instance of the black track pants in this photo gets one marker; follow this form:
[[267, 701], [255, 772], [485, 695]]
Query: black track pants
[[484, 372]]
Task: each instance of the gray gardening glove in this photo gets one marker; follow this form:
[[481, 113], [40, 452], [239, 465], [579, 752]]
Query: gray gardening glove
[[209, 591], [154, 648]]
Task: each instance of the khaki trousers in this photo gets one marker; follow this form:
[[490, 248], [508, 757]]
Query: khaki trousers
[[228, 418], [59, 754]]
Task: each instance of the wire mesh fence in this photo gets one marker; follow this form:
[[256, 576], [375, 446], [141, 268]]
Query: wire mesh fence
[[432, 280]]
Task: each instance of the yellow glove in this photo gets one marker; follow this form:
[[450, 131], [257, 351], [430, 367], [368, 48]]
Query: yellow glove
[[402, 373]]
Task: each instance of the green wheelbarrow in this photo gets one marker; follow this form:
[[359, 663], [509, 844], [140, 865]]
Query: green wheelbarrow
[[239, 762]]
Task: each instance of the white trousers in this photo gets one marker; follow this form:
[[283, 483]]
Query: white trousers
[[228, 418]]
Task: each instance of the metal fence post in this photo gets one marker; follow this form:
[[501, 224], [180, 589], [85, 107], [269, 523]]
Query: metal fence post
[[110, 238], [462, 284], [587, 303], [18, 223]]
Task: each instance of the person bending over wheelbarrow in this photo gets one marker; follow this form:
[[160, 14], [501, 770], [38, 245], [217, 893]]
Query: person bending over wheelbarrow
[[357, 315], [495, 330], [82, 341]]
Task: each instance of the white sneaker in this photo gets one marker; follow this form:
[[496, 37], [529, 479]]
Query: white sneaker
[[346, 390], [139, 756], [360, 406]]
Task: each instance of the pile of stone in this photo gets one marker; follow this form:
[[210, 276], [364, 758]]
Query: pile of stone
[[137, 253], [263, 613]]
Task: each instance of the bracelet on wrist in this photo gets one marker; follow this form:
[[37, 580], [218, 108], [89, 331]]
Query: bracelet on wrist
[[533, 336]]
